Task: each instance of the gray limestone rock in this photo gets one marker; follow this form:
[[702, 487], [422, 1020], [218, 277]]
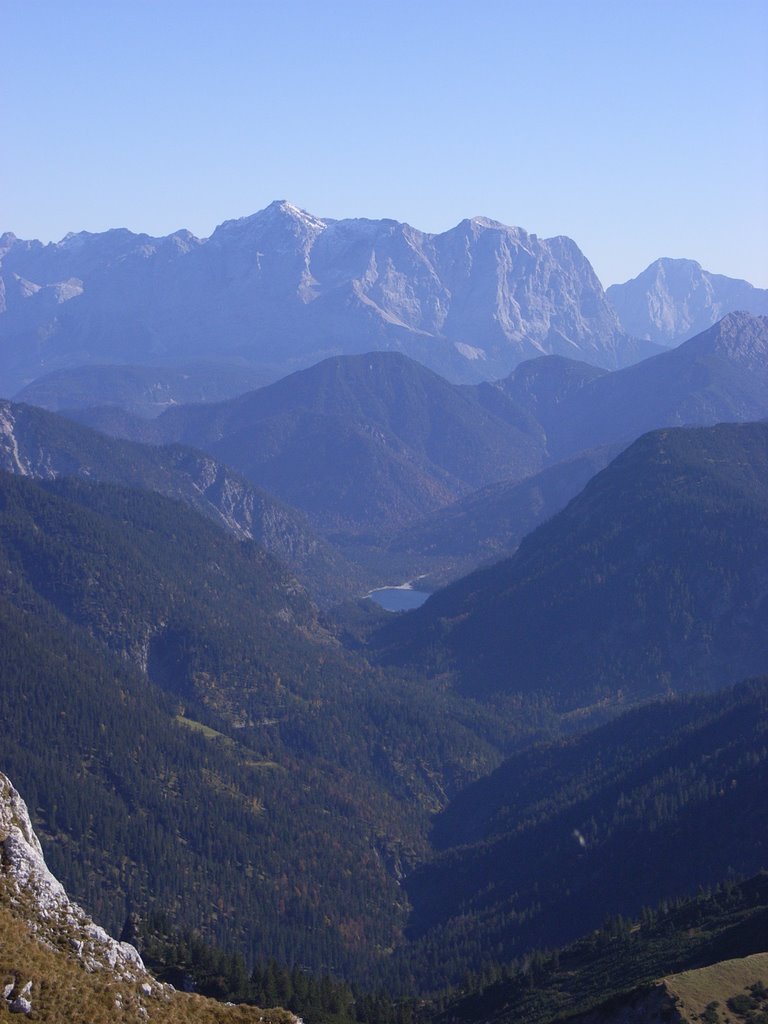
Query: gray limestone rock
[[284, 289], [673, 300], [47, 908]]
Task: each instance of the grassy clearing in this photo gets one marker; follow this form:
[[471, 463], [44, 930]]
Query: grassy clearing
[[717, 984], [206, 730]]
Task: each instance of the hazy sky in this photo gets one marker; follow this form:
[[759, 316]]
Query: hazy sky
[[637, 127]]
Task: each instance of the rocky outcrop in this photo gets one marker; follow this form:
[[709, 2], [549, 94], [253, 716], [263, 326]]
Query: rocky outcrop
[[29, 887], [56, 964]]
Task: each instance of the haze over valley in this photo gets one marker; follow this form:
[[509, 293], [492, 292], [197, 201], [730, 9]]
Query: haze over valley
[[209, 561], [384, 568]]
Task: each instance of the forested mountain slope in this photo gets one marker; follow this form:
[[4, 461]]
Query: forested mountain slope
[[39, 444], [655, 578], [191, 707], [490, 523], [363, 441], [608, 976], [177, 715], [647, 808]]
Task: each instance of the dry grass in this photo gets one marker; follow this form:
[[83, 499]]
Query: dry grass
[[63, 992], [697, 989], [206, 730]]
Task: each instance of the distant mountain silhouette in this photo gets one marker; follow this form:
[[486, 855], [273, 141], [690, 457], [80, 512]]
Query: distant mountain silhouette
[[720, 375], [141, 390], [675, 299], [359, 442]]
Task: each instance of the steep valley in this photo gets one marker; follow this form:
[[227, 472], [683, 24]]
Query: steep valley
[[210, 730]]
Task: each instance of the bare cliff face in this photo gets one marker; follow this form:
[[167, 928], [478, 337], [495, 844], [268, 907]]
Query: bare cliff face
[[284, 288]]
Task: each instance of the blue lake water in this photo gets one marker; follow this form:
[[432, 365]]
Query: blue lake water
[[396, 599]]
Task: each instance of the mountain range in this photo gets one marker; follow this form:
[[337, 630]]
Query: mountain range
[[586, 416], [368, 446], [460, 804], [282, 289], [720, 375]]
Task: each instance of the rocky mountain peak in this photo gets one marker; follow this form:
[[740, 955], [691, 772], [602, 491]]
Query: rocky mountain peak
[[282, 212], [675, 299], [15, 816], [279, 216], [478, 227], [740, 337], [489, 224], [666, 268]]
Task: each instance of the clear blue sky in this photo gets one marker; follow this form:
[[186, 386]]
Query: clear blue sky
[[637, 127]]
